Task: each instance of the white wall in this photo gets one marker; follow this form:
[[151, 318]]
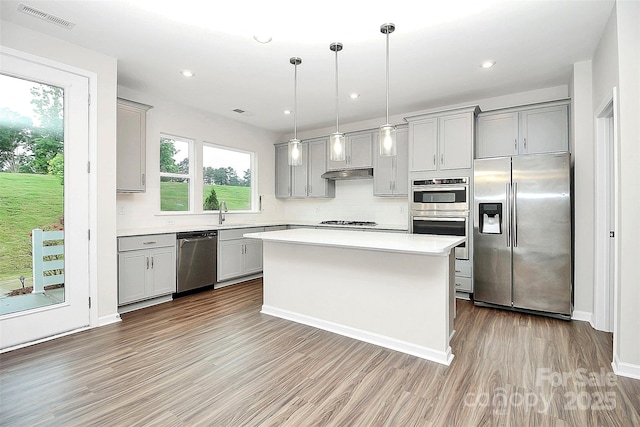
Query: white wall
[[627, 339], [102, 186], [142, 211], [583, 173]]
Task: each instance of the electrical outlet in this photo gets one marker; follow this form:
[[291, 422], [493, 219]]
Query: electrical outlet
[[121, 210], [171, 221], [402, 209]]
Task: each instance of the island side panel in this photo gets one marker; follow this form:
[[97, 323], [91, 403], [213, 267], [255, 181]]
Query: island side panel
[[399, 297]]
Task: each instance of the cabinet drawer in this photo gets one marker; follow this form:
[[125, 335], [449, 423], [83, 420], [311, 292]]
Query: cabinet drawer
[[145, 242], [237, 233], [463, 284], [463, 268]]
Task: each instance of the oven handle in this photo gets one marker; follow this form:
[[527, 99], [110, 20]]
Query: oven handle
[[439, 188], [438, 218]]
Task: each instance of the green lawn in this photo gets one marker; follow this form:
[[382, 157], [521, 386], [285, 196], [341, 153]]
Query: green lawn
[[175, 196], [27, 201]]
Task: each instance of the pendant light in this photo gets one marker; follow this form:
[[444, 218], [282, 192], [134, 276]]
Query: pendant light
[[294, 152], [336, 140], [387, 131]]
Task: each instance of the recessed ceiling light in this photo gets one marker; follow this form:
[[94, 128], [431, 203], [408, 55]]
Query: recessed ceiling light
[[262, 38], [354, 96], [287, 112], [487, 64], [187, 73]]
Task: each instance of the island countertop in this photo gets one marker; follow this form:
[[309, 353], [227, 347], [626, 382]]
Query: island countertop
[[385, 242]]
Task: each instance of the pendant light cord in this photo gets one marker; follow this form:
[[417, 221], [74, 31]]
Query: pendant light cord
[[337, 103], [387, 76], [295, 101]]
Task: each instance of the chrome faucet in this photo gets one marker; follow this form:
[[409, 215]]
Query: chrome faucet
[[221, 217]]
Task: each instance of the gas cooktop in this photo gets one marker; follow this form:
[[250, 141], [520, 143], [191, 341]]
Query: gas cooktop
[[337, 222]]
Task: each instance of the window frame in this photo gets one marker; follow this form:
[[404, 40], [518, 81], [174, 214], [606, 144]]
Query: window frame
[[253, 165], [190, 176]]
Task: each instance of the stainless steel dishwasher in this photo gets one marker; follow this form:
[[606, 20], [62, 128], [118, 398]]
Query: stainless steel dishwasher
[[197, 260]]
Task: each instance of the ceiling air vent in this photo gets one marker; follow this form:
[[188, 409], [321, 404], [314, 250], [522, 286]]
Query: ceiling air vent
[[45, 16], [237, 110]]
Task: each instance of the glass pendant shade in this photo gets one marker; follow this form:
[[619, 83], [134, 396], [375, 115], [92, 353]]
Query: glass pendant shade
[[336, 142], [294, 152], [388, 140]]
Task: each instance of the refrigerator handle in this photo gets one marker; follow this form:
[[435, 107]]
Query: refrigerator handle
[[515, 214], [507, 214]]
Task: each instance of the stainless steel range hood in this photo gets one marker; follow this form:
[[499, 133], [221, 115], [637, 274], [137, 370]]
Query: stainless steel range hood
[[349, 174]]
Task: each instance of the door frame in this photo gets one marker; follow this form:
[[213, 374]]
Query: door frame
[[606, 147], [91, 199]]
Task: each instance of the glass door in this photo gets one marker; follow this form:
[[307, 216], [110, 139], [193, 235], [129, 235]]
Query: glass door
[[44, 280]]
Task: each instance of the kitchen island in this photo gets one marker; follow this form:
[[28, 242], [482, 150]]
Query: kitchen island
[[389, 289]]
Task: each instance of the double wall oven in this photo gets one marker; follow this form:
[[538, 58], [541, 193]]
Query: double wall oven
[[441, 207]]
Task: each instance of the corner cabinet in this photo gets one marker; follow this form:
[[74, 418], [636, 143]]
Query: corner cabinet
[[358, 152], [304, 181], [391, 174], [146, 267], [534, 129], [131, 146], [443, 140]]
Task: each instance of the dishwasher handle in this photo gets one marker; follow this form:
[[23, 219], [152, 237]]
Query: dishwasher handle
[[193, 240]]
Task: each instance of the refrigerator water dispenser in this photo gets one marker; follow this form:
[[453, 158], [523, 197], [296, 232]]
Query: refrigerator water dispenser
[[490, 215]]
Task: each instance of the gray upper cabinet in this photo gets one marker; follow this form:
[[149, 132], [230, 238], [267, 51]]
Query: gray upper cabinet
[[391, 174], [442, 141], [131, 146], [305, 180], [358, 152], [543, 128]]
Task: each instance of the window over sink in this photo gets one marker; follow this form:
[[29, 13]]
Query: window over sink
[[192, 170]]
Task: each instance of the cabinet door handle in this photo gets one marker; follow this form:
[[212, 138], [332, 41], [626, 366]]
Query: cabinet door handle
[[143, 179], [147, 258], [525, 143], [515, 144], [151, 262], [442, 159], [149, 243], [434, 160]]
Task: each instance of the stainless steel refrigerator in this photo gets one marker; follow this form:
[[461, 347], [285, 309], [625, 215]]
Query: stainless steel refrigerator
[[522, 233]]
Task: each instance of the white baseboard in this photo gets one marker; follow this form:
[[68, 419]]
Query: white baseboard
[[583, 316], [625, 369], [444, 358], [107, 320], [144, 304]]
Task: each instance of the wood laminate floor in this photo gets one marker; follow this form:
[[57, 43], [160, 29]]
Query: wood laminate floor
[[211, 359]]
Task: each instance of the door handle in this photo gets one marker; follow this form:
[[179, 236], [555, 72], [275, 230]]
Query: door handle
[[434, 160], [507, 219], [515, 145], [147, 258], [442, 159], [515, 214], [525, 144], [152, 262]]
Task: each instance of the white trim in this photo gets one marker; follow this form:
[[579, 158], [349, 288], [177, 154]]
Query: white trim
[[144, 304], [444, 358], [602, 303], [108, 320], [583, 316], [625, 369], [41, 340]]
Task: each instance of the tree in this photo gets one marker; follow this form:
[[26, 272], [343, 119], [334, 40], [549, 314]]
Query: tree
[[15, 131], [246, 179], [56, 167], [167, 151], [233, 177], [207, 175], [47, 139], [220, 176], [211, 202]]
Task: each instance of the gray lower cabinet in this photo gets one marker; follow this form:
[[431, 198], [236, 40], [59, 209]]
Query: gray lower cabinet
[[463, 279], [238, 256], [534, 129], [391, 174], [146, 267]]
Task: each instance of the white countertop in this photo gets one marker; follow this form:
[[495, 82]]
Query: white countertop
[[388, 242], [228, 226]]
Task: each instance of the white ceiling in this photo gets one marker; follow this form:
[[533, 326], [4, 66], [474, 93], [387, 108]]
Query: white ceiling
[[434, 53]]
